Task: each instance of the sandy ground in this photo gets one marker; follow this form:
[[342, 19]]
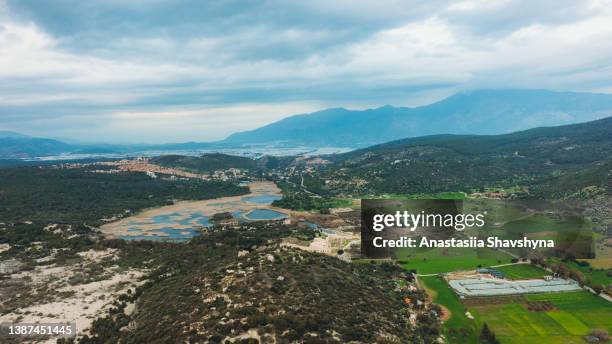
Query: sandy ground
[[143, 221], [328, 244], [52, 298], [4, 247]]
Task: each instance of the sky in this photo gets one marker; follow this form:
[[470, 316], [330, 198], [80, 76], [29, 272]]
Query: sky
[[190, 70]]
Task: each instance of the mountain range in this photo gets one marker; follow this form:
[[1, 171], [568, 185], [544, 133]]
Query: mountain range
[[15, 145], [474, 112]]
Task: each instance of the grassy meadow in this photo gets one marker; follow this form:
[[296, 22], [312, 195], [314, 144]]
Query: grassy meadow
[[522, 271], [439, 260], [458, 328]]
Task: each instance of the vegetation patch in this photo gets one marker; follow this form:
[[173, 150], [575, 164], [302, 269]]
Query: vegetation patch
[[573, 315], [540, 306], [433, 261], [52, 195], [205, 163], [227, 284], [458, 328], [522, 271]]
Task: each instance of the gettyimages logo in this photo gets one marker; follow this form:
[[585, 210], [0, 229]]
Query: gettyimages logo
[[557, 228], [387, 224]]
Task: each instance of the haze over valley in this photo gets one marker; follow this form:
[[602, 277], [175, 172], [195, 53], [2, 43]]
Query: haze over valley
[[339, 130]]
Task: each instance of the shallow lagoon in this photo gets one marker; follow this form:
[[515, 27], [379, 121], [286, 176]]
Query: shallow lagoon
[[186, 219], [264, 214], [180, 226], [261, 199]]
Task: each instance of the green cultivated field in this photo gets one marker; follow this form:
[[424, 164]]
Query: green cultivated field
[[432, 261], [458, 328], [439, 195], [575, 315], [522, 271]]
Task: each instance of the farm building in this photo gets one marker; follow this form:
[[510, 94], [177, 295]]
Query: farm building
[[484, 286], [493, 272]]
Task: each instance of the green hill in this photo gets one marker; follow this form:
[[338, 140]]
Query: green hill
[[206, 292], [539, 158], [52, 195], [206, 163]]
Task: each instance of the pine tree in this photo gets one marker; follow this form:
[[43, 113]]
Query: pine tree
[[485, 335]]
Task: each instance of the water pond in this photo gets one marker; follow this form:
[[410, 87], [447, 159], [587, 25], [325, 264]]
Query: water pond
[[262, 199], [265, 214]]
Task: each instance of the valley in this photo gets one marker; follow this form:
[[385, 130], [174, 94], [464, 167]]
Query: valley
[[305, 172], [215, 239]]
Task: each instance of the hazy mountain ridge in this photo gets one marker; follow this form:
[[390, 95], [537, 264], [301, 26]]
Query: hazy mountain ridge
[[475, 112], [23, 146], [4, 134]]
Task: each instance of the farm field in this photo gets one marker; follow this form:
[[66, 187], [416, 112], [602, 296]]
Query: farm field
[[458, 328], [600, 263], [433, 261], [541, 223], [603, 253], [439, 195], [522, 271], [597, 275], [575, 314]]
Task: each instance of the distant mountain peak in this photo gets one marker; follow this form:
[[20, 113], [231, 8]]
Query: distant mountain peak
[[486, 111]]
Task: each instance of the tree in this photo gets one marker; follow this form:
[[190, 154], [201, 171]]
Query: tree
[[601, 334], [598, 288], [577, 276], [485, 334]]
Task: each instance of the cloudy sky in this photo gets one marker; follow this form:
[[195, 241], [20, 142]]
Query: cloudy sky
[[169, 71]]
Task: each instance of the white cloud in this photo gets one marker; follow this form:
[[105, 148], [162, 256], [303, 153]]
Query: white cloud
[[210, 83]]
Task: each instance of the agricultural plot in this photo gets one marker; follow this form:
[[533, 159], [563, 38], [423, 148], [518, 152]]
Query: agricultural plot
[[573, 315], [457, 327], [433, 261], [522, 271], [545, 224], [564, 317], [597, 275]]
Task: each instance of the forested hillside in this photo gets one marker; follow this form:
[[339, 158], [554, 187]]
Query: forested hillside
[[206, 162], [51, 195], [537, 158], [206, 292]]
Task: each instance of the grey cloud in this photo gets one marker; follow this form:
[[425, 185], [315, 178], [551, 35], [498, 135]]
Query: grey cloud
[[503, 17], [240, 30], [111, 56]]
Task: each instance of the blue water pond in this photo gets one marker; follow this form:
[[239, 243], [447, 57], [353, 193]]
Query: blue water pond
[[265, 214], [261, 199]]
